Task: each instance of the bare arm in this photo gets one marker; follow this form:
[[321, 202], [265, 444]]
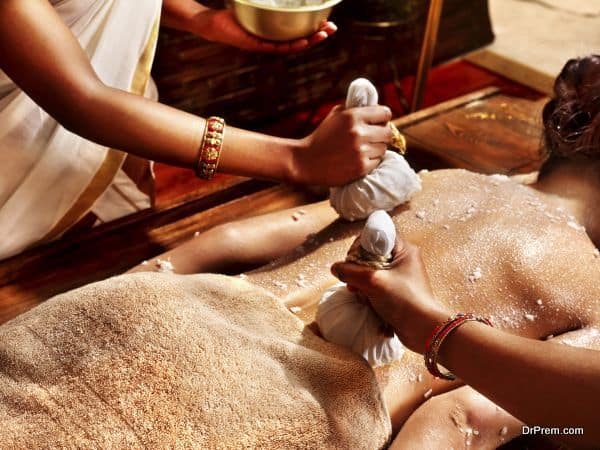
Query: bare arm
[[541, 383], [181, 14], [248, 243], [43, 57]]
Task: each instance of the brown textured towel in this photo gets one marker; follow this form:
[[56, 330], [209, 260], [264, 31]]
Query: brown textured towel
[[163, 361]]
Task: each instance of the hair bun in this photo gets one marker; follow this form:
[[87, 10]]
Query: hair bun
[[572, 117]]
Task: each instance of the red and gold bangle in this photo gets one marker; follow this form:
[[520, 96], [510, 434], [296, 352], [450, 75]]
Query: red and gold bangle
[[439, 334], [210, 149]]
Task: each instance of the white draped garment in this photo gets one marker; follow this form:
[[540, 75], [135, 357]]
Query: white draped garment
[[51, 178]]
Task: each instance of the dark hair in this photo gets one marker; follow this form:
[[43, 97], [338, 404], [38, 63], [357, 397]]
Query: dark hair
[[572, 117]]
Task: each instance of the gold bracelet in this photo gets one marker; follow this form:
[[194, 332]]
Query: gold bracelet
[[210, 149], [439, 335]]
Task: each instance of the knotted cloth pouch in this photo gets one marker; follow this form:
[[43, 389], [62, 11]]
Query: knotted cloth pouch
[[346, 320], [377, 241], [392, 183]]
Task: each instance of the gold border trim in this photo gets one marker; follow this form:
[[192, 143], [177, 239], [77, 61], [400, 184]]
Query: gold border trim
[[114, 158]]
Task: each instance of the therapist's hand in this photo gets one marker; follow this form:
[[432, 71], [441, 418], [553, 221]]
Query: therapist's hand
[[347, 145], [402, 295], [221, 26]]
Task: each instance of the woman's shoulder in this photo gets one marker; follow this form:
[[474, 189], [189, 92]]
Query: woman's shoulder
[[479, 214]]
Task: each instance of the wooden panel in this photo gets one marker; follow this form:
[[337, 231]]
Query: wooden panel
[[175, 185], [442, 108]]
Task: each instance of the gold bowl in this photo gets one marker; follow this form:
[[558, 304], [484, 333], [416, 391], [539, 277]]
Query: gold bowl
[[279, 23]]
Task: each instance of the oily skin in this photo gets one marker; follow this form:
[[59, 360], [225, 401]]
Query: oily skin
[[523, 241]]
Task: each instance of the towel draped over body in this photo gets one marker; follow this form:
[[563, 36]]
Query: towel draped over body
[[154, 360]]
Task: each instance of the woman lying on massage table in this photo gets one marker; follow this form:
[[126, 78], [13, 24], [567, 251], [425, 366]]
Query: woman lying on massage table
[[525, 257], [206, 361]]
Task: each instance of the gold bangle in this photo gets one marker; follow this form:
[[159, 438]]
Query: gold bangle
[[439, 335], [210, 149]]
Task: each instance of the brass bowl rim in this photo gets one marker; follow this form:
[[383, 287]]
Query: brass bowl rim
[[309, 8]]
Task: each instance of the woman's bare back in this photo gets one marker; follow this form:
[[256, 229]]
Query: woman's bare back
[[491, 246]]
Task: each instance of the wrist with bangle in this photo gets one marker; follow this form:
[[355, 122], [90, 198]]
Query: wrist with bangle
[[210, 148], [439, 335]]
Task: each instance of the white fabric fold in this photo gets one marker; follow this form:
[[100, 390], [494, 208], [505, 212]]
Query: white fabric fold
[[44, 168], [344, 320]]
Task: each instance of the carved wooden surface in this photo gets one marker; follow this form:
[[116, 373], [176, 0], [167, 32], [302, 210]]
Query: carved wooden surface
[[491, 134]]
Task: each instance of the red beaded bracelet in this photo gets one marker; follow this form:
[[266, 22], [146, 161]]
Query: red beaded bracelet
[[210, 149], [439, 334]]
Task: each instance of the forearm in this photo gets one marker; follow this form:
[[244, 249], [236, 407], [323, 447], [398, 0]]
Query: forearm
[[541, 383], [154, 131], [133, 124], [248, 243], [180, 14]]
